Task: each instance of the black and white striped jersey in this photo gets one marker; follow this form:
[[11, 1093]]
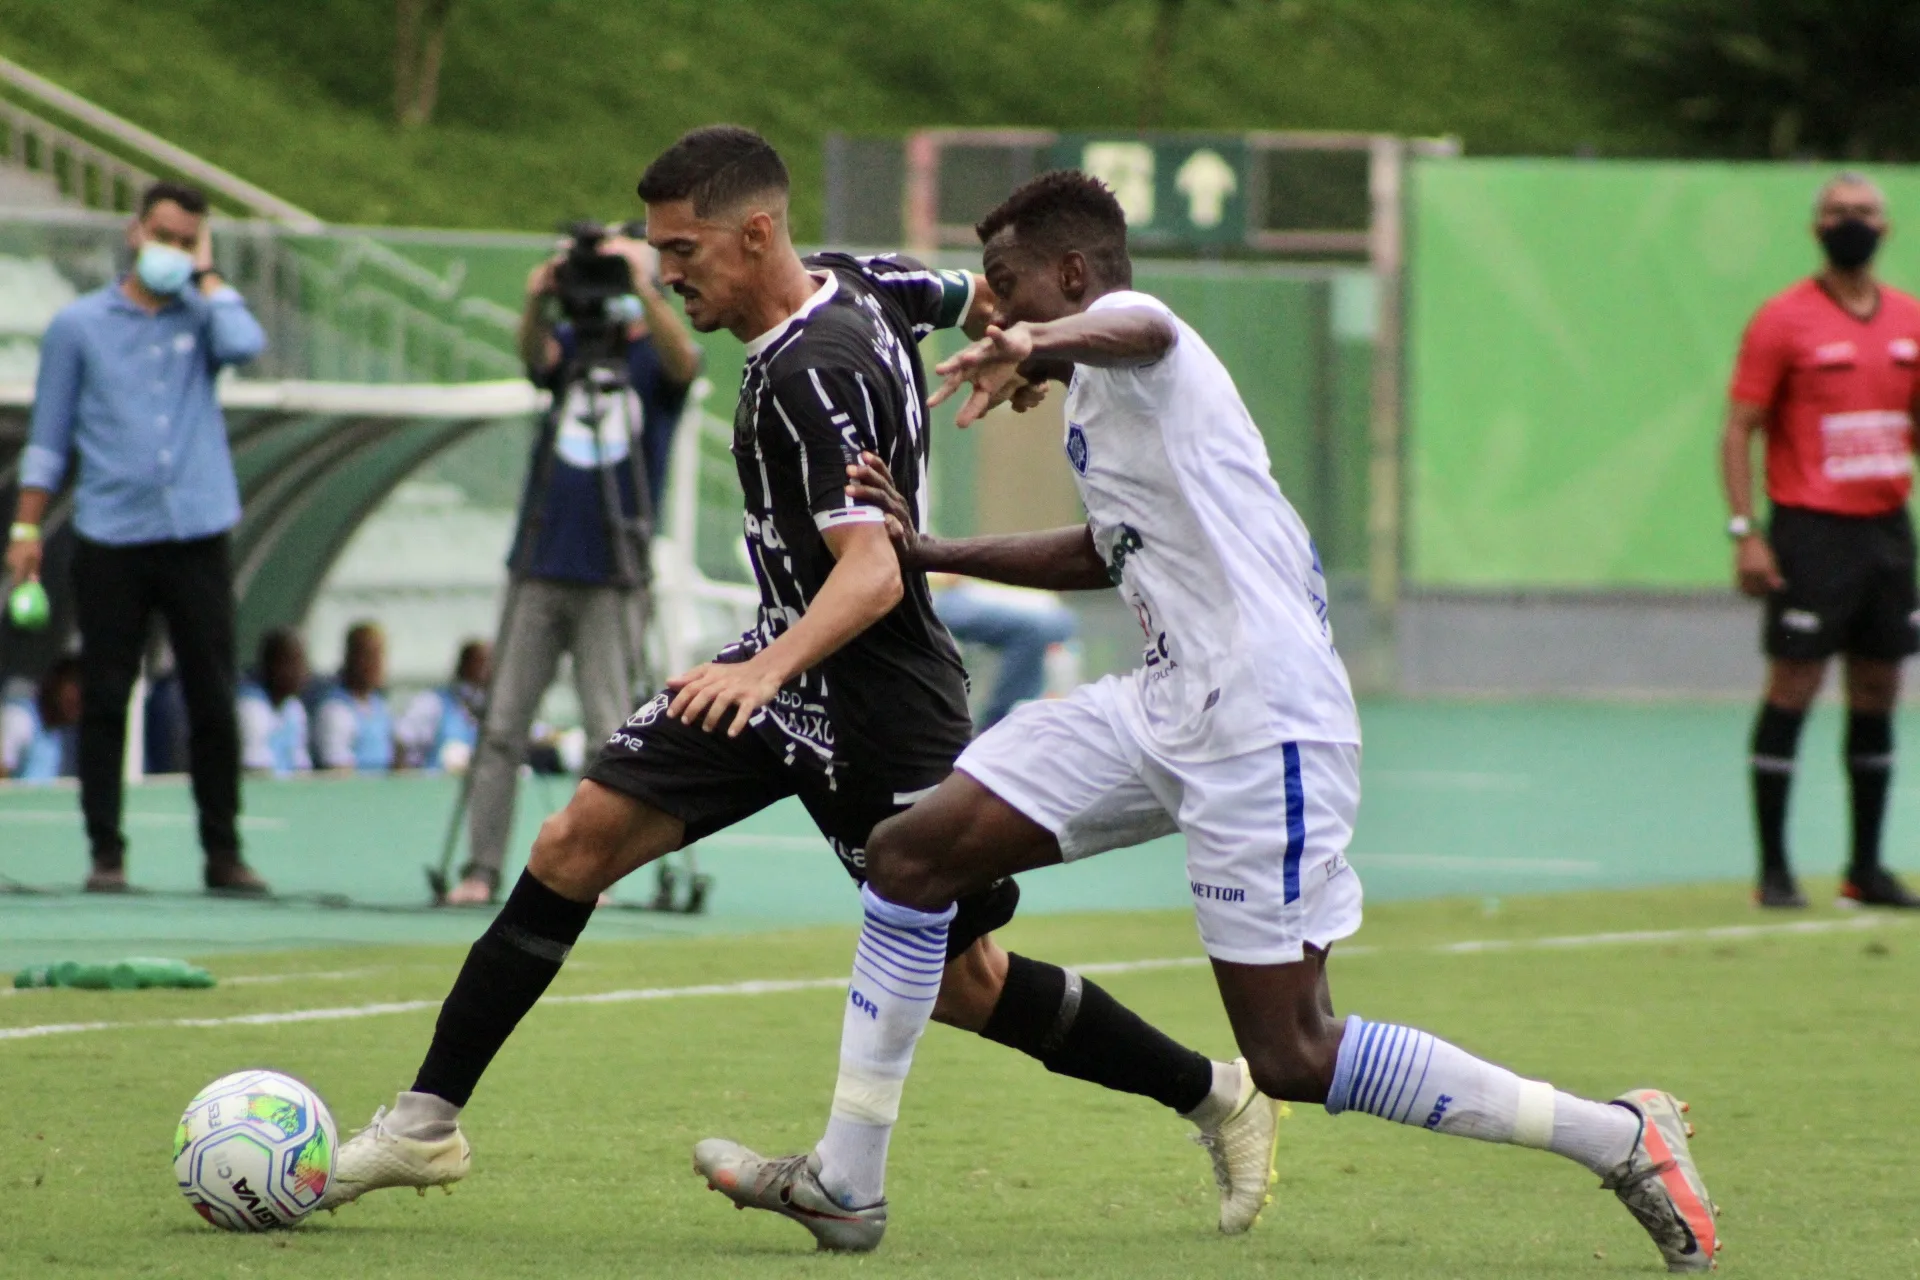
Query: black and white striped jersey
[[839, 376]]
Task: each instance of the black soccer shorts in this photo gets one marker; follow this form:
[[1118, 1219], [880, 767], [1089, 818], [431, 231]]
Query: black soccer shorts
[[710, 781], [1849, 586]]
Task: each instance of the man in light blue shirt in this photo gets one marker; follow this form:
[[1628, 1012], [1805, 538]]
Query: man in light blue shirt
[[126, 386]]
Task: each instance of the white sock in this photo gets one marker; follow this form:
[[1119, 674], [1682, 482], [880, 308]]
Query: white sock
[[1218, 1105], [1410, 1077], [425, 1117], [896, 975]]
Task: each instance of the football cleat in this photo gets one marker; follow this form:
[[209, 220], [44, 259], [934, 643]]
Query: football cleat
[[1660, 1185], [1243, 1150], [376, 1158], [1778, 890], [1875, 887], [789, 1186]]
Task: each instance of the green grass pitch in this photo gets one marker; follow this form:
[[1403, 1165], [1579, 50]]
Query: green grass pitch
[[1796, 1047]]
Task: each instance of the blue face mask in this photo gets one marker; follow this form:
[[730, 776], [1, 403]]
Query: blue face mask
[[163, 269]]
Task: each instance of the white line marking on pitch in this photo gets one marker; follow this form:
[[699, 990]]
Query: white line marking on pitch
[[761, 987]]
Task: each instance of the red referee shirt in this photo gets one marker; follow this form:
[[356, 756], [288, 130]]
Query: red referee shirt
[[1839, 393]]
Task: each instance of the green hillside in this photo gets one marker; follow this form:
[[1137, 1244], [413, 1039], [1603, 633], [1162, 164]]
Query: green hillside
[[550, 107]]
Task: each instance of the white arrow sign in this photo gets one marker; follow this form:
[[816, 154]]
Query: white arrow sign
[[1206, 181]]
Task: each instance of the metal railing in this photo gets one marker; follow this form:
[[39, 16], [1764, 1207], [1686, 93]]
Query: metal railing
[[94, 177]]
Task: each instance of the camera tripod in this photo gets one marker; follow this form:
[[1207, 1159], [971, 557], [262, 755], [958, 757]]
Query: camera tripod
[[601, 381]]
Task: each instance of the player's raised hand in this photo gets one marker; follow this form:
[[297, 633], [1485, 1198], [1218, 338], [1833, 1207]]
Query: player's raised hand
[[871, 482], [703, 695], [992, 366]]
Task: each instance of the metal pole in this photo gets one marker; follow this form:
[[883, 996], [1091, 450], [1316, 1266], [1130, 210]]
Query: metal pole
[[1385, 506]]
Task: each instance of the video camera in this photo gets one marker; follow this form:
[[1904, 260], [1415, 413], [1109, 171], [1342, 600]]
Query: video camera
[[596, 290]]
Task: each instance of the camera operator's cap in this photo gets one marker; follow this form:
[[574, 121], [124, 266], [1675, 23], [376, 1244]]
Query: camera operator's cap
[[28, 607]]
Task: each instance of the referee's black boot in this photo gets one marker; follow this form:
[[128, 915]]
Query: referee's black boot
[[1778, 890], [1875, 887]]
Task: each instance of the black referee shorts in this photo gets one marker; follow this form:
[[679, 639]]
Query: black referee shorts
[[1849, 586], [710, 781]]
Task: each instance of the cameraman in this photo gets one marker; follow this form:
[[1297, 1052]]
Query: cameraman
[[567, 594]]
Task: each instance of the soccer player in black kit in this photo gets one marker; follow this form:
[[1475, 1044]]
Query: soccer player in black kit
[[848, 693]]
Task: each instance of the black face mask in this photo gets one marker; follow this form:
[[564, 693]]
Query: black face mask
[[1849, 244]]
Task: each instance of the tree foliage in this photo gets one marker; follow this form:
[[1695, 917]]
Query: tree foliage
[[1830, 79]]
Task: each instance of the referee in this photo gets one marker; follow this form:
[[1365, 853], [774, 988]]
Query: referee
[[1828, 371]]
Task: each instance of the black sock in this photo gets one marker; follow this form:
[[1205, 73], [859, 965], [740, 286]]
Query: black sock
[[506, 971], [1870, 771], [1776, 737], [1076, 1029]]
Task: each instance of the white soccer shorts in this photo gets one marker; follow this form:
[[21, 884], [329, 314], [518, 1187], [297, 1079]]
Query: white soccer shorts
[[1267, 831]]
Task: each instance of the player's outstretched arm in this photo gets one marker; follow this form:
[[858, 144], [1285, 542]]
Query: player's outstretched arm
[[1053, 559], [863, 588]]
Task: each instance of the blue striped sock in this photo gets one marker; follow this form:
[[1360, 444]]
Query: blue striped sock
[[897, 967]]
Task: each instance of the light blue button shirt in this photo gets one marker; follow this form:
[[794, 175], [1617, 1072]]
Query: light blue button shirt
[[132, 393]]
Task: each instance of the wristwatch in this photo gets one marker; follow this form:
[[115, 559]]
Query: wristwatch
[[1739, 527]]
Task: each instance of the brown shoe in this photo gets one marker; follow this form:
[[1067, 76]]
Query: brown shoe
[[106, 880], [235, 879]]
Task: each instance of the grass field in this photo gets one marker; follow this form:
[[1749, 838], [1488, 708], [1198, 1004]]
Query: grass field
[[1794, 1040]]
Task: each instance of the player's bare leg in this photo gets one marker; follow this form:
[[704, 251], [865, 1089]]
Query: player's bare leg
[[1637, 1144], [580, 853]]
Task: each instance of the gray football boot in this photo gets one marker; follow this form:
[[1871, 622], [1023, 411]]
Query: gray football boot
[[789, 1186], [1660, 1185]]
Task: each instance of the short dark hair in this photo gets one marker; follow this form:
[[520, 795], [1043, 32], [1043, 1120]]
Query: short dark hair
[[275, 644], [192, 199], [716, 167], [1067, 210]]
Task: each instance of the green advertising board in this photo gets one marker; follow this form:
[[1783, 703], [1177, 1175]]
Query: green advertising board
[[1571, 331]]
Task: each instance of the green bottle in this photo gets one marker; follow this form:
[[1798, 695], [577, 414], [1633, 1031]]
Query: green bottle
[[28, 606]]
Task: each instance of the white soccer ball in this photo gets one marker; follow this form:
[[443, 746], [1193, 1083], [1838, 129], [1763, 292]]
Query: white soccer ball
[[254, 1151]]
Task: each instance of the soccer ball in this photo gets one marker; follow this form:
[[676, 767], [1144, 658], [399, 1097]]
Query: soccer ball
[[254, 1151]]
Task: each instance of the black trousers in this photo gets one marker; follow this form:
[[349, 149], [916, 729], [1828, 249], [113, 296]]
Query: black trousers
[[117, 590]]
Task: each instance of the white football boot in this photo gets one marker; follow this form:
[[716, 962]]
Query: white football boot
[[1243, 1149], [789, 1186], [376, 1158]]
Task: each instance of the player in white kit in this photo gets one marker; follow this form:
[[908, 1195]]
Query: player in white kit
[[1238, 730]]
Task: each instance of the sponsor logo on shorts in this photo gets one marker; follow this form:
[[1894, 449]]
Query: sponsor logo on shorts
[[1805, 621], [1217, 893], [1439, 1112], [648, 712], [1338, 865]]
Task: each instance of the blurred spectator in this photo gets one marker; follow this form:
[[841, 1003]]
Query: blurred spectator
[[568, 594], [168, 730], [40, 735], [273, 720], [439, 727], [126, 385], [353, 728], [1017, 623]]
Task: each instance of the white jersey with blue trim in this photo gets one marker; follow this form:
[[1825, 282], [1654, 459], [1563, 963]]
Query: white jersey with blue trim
[[1216, 564]]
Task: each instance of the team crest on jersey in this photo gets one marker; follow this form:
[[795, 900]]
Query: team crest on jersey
[[1077, 447]]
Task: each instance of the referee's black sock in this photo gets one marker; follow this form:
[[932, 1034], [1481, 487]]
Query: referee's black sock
[[1870, 771], [1776, 738], [1076, 1029], [506, 971]]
